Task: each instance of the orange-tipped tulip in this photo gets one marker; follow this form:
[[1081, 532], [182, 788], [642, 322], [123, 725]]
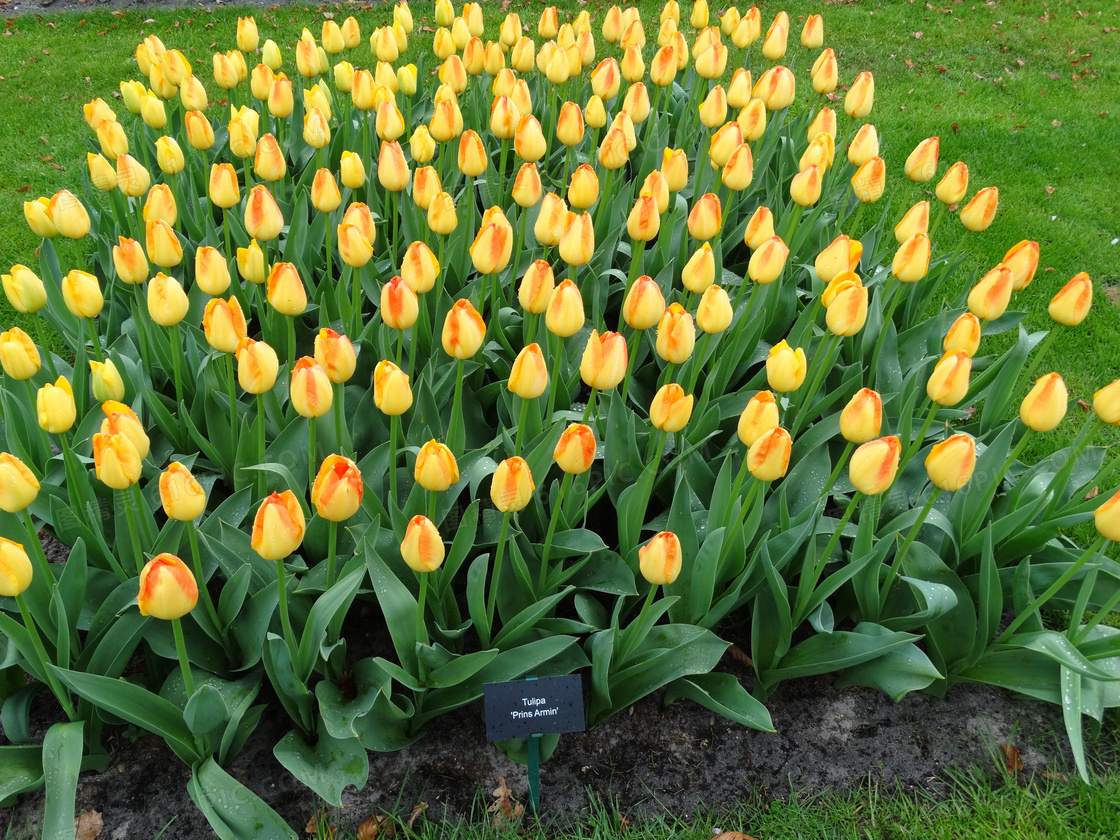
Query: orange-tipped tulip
[[785, 367], [463, 331], [604, 360], [846, 308], [180, 493], [951, 462], [168, 590], [1070, 305], [714, 312], [911, 260], [565, 314], [699, 272], [870, 180], [768, 456], [577, 242], [422, 548], [528, 378], [660, 559], [575, 451], [914, 222], [399, 306], [874, 465], [527, 186], [921, 165], [310, 389], [116, 462], [989, 297], [535, 290], [436, 468], [978, 214], [951, 189], [671, 408], [759, 228], [1107, 518], [644, 304], [768, 261], [263, 219], [337, 491], [82, 294], [492, 247], [224, 324], [286, 293], [758, 417], [336, 354], [706, 217], [676, 335], [167, 302], [862, 417], [512, 485], [1045, 406], [278, 527], [948, 384], [860, 96], [1106, 403], [776, 88], [18, 485], [1022, 262], [963, 336]]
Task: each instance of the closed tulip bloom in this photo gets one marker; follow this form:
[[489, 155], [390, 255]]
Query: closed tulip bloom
[[192, 94], [257, 366], [528, 377], [200, 133], [132, 92], [823, 123], [535, 290], [310, 390], [463, 331], [422, 548], [869, 180], [989, 298], [129, 262], [862, 417], [760, 228], [436, 468], [1106, 518], [583, 190], [224, 324], [353, 171], [504, 118], [874, 465], [112, 139], [16, 571], [19, 355], [948, 384], [225, 73], [656, 187], [492, 247], [250, 263], [549, 226], [82, 294], [1070, 305], [512, 486], [35, 214], [660, 559], [604, 360], [337, 490], [335, 353], [392, 169], [978, 214], [389, 122], [307, 56], [674, 168], [565, 314], [278, 526], [528, 140], [169, 157], [951, 462], [472, 158], [247, 37], [700, 271], [362, 94], [285, 291], [1022, 262], [570, 126], [68, 215], [805, 188], [706, 217], [122, 420], [613, 153], [768, 261], [911, 260], [633, 66], [864, 146], [671, 408], [954, 185], [263, 219], [776, 88], [18, 485], [714, 312], [419, 268], [758, 417], [676, 335], [820, 153], [102, 174], [316, 128], [527, 186], [739, 91], [399, 306], [270, 55], [24, 290], [724, 141], [663, 68], [224, 190], [774, 46], [167, 302], [738, 172], [167, 589], [964, 335], [1045, 406], [163, 246], [116, 462], [333, 41], [352, 32], [522, 55], [768, 457], [837, 258], [577, 242], [860, 96], [447, 121], [105, 381], [180, 494], [441, 214], [1106, 403], [785, 368], [425, 186], [752, 120], [474, 57], [921, 165], [595, 113], [269, 162], [575, 451], [644, 305], [711, 63], [96, 111], [846, 311], [325, 196], [915, 221]]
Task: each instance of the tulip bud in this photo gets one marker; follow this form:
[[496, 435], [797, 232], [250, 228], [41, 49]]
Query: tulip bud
[[714, 313], [111, 137], [583, 190], [122, 420], [963, 336], [874, 465], [353, 246], [392, 169], [24, 290], [18, 354], [805, 188], [335, 353], [595, 113], [862, 417], [224, 324], [565, 314], [604, 360], [869, 180], [399, 306], [285, 290], [82, 294], [512, 485], [68, 215], [670, 409], [1022, 262], [1070, 305], [257, 366], [310, 390], [760, 228], [864, 146], [436, 469], [768, 261], [774, 47], [676, 335], [527, 186], [250, 263], [167, 302], [224, 191], [911, 260], [785, 367], [117, 463], [528, 140], [1106, 403], [989, 297], [168, 590], [536, 287], [776, 88], [106, 381], [953, 187], [948, 384], [706, 217], [419, 268], [860, 96], [15, 569], [337, 490], [656, 187], [263, 220], [101, 172], [644, 305], [18, 487], [977, 215], [1107, 518], [269, 162], [492, 247], [951, 462], [1045, 406], [549, 226], [915, 221], [845, 305], [752, 120], [674, 168], [528, 377], [660, 559], [577, 242], [768, 457], [422, 548], [180, 493], [575, 451], [613, 153], [921, 165], [463, 331], [278, 527], [35, 214], [442, 219]]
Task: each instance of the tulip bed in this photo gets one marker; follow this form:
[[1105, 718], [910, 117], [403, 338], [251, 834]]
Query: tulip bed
[[576, 372]]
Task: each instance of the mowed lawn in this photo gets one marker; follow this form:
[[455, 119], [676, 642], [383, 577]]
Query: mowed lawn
[[1027, 93]]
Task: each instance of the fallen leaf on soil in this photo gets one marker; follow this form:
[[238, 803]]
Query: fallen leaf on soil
[[956, 128], [375, 826], [623, 822], [59, 168], [505, 808], [88, 825], [1014, 762], [417, 812], [313, 827], [1052, 776]]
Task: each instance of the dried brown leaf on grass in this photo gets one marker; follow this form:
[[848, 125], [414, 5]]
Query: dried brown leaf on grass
[[417, 812], [378, 825], [1014, 761], [314, 825], [734, 835], [505, 808], [88, 825]]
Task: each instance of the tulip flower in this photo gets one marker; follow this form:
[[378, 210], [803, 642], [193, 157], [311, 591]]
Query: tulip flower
[[706, 217], [419, 268], [714, 312], [112, 139], [116, 462], [224, 324], [575, 451], [422, 549], [492, 247], [168, 590], [528, 140], [862, 417], [338, 489], [954, 185], [760, 227], [752, 120], [989, 297], [286, 293], [845, 302], [399, 305], [167, 302], [335, 353], [310, 390], [671, 408], [1044, 407], [463, 331], [644, 305], [1106, 518], [785, 367], [911, 260], [864, 146], [676, 335], [583, 190], [180, 494], [18, 485], [105, 381], [577, 241], [963, 336], [768, 261], [535, 289], [325, 196], [551, 219], [951, 462], [1106, 403], [948, 384], [211, 271], [263, 220], [921, 165], [977, 215], [776, 88], [699, 272], [874, 465], [869, 181], [200, 134], [528, 377], [527, 186], [512, 486], [436, 469], [257, 366], [613, 153], [442, 218], [68, 215], [660, 559], [269, 162], [18, 354], [15, 574], [1071, 304], [805, 188], [24, 290], [122, 420], [768, 457], [278, 527], [101, 173], [604, 360], [860, 96]]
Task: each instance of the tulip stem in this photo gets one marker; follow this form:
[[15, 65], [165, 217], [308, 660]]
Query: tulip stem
[[896, 564], [230, 253], [502, 157], [656, 461], [184, 662], [393, 197], [93, 338], [637, 250], [590, 406], [356, 301], [804, 593], [339, 412], [41, 652], [698, 362], [285, 620], [44, 439], [916, 444], [291, 342], [633, 636], [332, 548], [856, 219], [134, 534], [794, 218], [1039, 355], [200, 579], [554, 382], [554, 517], [492, 595], [394, 422], [522, 420], [836, 470], [888, 319], [312, 423], [176, 362], [262, 489], [1079, 634], [456, 407], [232, 405], [1066, 577], [819, 374], [330, 252], [421, 603], [631, 349], [748, 503], [40, 555], [517, 253]]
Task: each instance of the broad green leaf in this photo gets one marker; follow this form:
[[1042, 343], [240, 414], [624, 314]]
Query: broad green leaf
[[839, 649], [327, 766], [62, 748], [234, 811], [725, 695]]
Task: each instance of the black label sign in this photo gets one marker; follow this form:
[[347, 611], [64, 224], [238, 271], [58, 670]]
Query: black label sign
[[547, 706]]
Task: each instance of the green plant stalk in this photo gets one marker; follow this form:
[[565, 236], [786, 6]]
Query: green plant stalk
[[200, 578], [330, 251], [421, 626], [896, 564], [176, 364], [794, 219], [637, 250], [737, 523], [285, 619], [394, 423], [44, 660], [75, 479], [46, 441], [819, 373], [993, 487], [502, 159], [656, 460], [587, 409], [400, 347], [1082, 601], [232, 401], [431, 508], [492, 595], [698, 363], [457, 403], [93, 339], [518, 245], [915, 446], [806, 592], [938, 215], [836, 471], [40, 555], [888, 317], [1067, 576], [133, 533], [339, 411], [1097, 618], [393, 198], [554, 380], [356, 302], [554, 517], [261, 481], [628, 642], [521, 421], [856, 220], [184, 662], [291, 321], [1079, 444], [631, 348], [312, 422], [332, 549], [1039, 355]]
